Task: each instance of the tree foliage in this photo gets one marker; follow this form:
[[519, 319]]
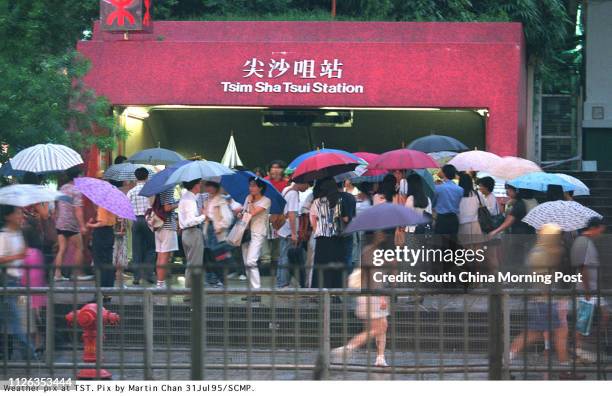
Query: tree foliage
[[42, 97]]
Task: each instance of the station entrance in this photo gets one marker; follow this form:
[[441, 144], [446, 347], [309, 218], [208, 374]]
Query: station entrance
[[284, 88], [265, 134]]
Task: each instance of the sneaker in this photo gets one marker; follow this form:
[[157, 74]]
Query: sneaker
[[380, 361], [61, 279], [85, 277], [232, 275], [341, 355], [242, 277]]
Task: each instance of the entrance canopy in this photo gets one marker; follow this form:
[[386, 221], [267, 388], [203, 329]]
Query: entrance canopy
[[321, 64]]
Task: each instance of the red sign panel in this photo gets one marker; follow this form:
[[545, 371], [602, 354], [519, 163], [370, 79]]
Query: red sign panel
[[195, 65], [125, 15]]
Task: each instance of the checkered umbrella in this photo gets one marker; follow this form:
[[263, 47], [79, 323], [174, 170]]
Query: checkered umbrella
[[569, 215], [121, 172], [125, 171]]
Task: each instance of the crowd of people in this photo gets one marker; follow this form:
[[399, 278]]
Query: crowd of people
[[306, 244]]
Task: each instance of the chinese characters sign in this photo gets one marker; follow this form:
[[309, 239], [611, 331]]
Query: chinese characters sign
[[306, 75], [125, 15]]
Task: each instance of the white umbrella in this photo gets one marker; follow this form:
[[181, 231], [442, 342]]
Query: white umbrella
[[208, 170], [46, 158], [231, 159], [29, 194], [581, 188], [569, 215], [475, 160], [509, 168]]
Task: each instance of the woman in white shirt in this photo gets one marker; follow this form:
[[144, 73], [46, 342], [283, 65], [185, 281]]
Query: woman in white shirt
[[486, 185], [469, 233], [417, 200], [12, 254], [258, 207]]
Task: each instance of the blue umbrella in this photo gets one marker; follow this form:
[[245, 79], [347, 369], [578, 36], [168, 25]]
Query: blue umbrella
[[158, 182], [539, 181], [156, 156], [201, 169], [237, 186], [433, 143], [385, 216], [294, 164]]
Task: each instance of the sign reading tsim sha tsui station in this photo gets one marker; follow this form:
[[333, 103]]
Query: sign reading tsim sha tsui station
[[308, 76]]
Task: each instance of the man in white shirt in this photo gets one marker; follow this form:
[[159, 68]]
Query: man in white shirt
[[288, 233], [191, 217]]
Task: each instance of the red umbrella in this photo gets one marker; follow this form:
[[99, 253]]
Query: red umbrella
[[403, 159], [322, 165], [369, 158]]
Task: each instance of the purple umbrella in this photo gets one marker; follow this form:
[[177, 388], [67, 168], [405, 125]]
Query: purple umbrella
[[106, 196], [385, 216]]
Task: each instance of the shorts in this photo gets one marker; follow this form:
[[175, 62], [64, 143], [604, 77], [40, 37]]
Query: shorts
[[67, 233], [538, 316], [166, 241]]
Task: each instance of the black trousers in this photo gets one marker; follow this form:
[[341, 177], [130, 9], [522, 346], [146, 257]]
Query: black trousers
[[143, 250], [445, 230], [447, 224], [329, 262], [103, 239]]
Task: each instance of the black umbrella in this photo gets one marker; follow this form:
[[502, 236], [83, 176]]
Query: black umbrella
[[434, 143]]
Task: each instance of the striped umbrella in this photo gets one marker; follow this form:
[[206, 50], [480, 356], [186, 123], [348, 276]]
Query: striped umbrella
[[46, 158], [569, 215]]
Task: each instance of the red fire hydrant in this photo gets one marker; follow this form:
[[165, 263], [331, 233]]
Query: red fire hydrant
[[86, 319]]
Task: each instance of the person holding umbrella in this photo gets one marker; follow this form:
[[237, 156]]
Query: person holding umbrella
[[190, 218], [328, 222], [258, 207], [70, 225], [143, 239], [288, 233]]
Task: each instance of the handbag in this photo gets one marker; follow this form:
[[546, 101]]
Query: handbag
[[240, 233], [155, 216]]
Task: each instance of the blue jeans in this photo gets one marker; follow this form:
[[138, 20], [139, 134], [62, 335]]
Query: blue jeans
[[10, 317], [283, 275]]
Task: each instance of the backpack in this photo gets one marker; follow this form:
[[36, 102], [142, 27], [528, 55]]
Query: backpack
[[155, 216]]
